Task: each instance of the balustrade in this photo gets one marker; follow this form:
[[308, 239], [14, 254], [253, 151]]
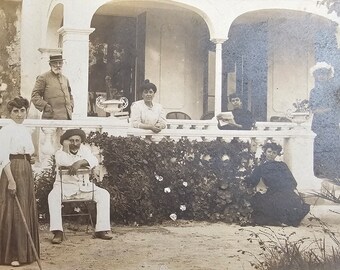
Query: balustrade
[[297, 141]]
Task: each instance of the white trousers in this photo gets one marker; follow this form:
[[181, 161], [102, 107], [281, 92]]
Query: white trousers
[[101, 197]]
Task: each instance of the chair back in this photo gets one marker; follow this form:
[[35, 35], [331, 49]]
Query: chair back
[[208, 115], [178, 115], [85, 183]]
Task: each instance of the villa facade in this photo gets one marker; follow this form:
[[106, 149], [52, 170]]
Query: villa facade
[[197, 52]]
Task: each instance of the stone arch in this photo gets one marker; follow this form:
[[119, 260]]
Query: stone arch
[[55, 22], [310, 8], [191, 35], [207, 12], [289, 45]]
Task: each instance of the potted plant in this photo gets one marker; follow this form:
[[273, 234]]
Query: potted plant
[[301, 111]]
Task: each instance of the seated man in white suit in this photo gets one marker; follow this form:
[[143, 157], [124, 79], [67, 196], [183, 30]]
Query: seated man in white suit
[[75, 155]]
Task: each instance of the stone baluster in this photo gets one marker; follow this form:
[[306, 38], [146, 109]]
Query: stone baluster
[[48, 145]]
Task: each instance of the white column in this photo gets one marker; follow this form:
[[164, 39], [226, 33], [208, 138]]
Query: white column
[[30, 69], [76, 55], [218, 75], [337, 34], [299, 158]]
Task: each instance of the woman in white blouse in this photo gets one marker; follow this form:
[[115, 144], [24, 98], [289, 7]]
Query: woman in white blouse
[[17, 178], [145, 113]]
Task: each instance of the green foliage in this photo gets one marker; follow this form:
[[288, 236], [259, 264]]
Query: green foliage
[[10, 53], [150, 181]]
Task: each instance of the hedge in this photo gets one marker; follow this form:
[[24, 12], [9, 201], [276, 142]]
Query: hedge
[[153, 182]]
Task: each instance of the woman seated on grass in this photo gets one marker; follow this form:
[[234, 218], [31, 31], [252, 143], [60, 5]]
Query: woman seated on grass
[[281, 204]]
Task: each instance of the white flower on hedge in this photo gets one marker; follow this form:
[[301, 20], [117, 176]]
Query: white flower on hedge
[[167, 190], [206, 157], [159, 177], [173, 159], [183, 207], [76, 209], [242, 169], [173, 216], [185, 184], [225, 157]]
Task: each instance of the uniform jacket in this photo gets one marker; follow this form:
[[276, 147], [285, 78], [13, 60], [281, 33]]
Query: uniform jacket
[[54, 90]]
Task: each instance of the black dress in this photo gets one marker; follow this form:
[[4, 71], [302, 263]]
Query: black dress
[[280, 204]]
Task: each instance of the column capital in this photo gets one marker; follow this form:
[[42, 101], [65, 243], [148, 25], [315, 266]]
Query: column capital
[[45, 51], [75, 31], [218, 40]]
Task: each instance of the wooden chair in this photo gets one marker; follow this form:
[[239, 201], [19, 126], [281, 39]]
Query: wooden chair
[[83, 203], [178, 115]]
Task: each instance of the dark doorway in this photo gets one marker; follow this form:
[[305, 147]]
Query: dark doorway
[[112, 60], [245, 52]]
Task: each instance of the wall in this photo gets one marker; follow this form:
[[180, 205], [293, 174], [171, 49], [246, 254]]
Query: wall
[[174, 60], [291, 54]]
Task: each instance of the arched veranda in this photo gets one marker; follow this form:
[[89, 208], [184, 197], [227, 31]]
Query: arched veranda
[[268, 55], [147, 40]]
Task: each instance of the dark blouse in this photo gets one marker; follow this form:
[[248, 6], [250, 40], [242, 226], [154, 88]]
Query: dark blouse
[[275, 175], [241, 117]]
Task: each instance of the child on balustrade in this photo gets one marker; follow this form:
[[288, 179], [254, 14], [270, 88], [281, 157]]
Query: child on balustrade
[[238, 119], [281, 204]]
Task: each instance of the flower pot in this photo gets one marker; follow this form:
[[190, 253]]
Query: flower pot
[[299, 117], [112, 106]]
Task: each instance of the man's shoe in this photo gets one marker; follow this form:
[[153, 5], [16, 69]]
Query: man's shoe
[[102, 235], [58, 237]]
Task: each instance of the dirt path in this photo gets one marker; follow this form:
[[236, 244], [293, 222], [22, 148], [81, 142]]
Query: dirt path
[[177, 245]]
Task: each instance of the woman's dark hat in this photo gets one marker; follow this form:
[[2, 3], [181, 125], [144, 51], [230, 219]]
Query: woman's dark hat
[[57, 57], [72, 132]]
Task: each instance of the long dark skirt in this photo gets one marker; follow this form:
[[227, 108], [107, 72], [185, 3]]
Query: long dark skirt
[[327, 154], [14, 241], [280, 207]]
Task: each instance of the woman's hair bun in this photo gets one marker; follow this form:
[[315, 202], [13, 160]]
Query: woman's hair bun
[[146, 81]]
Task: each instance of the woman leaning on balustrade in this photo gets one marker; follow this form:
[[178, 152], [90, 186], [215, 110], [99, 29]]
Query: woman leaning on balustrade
[[146, 113]]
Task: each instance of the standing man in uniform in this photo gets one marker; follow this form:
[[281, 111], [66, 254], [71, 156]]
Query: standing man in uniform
[[52, 92]]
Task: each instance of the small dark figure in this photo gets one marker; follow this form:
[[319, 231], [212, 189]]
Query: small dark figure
[[242, 119], [281, 203]]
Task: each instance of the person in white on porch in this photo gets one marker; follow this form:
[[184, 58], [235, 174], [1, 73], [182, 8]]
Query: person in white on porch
[[325, 104], [145, 113], [74, 155]]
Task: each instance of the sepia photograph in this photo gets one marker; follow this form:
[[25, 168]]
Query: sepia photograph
[[170, 134]]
